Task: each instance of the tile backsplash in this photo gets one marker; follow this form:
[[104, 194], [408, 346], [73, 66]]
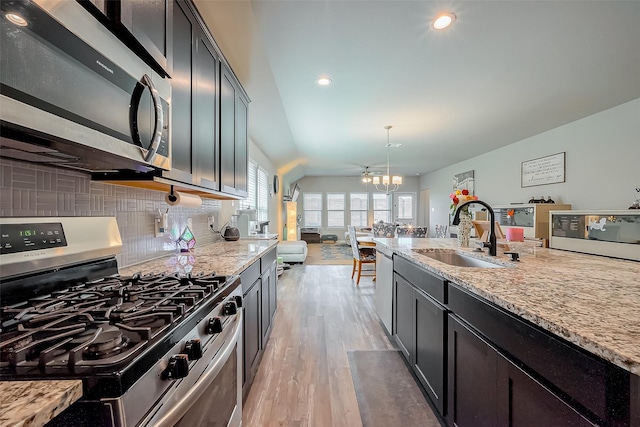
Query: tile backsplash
[[33, 190]]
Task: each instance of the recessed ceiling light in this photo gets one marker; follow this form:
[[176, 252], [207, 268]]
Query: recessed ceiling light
[[443, 20], [16, 19], [324, 81]]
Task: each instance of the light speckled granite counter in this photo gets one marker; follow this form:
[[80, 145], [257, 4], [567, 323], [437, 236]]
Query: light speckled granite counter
[[591, 301], [35, 403], [225, 258]]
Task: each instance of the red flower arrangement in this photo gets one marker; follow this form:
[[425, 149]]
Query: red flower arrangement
[[460, 196]]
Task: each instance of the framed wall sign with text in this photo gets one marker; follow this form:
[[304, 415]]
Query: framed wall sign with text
[[544, 170]]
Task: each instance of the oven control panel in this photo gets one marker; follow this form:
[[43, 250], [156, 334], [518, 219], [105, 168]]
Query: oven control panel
[[31, 237]]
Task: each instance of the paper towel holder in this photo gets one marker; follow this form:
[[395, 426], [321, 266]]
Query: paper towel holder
[[172, 197]]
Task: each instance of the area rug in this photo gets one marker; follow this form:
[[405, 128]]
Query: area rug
[[329, 254], [387, 393]]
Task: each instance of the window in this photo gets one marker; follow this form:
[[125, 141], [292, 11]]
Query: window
[[359, 203], [312, 206], [257, 192], [381, 207], [251, 201], [335, 209], [405, 207], [262, 205]]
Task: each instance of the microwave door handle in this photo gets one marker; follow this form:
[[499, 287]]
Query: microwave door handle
[[157, 128], [159, 117]]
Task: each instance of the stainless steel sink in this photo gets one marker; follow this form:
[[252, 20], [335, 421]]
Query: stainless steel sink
[[456, 259]]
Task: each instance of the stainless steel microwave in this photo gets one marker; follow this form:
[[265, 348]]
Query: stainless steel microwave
[[74, 95]]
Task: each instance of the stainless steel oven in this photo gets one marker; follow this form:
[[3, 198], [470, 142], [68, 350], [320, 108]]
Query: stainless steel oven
[[151, 350], [74, 95], [213, 397]]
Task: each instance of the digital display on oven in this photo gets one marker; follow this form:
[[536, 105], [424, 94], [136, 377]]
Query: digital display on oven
[[31, 237]]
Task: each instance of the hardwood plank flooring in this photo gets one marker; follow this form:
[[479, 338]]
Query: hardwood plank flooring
[[304, 378]]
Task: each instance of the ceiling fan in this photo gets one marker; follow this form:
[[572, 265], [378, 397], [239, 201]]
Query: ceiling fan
[[367, 175]]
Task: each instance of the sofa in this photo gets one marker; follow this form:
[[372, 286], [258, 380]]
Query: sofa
[[292, 251]]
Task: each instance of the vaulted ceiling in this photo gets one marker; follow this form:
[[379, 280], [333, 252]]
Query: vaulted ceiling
[[504, 71]]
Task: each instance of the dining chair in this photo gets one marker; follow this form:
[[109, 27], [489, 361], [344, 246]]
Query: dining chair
[[361, 255], [413, 232], [441, 231]]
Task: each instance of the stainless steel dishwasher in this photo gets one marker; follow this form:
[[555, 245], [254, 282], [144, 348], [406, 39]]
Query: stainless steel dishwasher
[[384, 285]]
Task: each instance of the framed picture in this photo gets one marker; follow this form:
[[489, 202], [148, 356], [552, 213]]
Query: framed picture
[[464, 181], [544, 170]]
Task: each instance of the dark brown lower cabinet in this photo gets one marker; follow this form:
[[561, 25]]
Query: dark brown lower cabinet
[[523, 401], [488, 389], [260, 289], [403, 316], [251, 332], [269, 293], [419, 330], [429, 360], [273, 290], [266, 316], [472, 377]]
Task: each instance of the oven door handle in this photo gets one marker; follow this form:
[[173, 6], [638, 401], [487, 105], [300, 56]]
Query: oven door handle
[[172, 417]]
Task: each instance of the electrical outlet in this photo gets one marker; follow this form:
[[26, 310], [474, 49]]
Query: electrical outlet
[[161, 224], [210, 221]]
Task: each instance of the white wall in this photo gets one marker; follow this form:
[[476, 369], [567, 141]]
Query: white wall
[[602, 166]]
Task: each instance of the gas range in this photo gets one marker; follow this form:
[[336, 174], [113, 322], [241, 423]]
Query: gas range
[[134, 341]]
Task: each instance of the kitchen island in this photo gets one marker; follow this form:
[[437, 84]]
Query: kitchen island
[[587, 305]]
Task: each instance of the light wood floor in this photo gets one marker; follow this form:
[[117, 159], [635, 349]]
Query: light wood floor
[[304, 377]]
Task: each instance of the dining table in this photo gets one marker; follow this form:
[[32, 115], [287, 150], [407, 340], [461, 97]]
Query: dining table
[[365, 241]]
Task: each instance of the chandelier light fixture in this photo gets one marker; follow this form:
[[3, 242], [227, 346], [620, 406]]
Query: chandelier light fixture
[[387, 183]]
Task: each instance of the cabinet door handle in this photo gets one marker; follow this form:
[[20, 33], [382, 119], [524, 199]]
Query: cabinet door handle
[[159, 117]]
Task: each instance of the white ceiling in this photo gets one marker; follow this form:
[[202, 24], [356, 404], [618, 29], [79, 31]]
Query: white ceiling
[[506, 70]]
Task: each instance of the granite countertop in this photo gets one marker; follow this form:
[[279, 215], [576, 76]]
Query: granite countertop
[[35, 403], [591, 301], [225, 258]]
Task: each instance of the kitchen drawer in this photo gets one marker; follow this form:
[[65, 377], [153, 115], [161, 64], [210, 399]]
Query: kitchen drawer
[[593, 383], [268, 259], [432, 285], [249, 276]]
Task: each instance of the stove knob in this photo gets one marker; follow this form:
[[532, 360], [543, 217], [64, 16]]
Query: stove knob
[[178, 367], [229, 308], [238, 299], [214, 326], [193, 349]]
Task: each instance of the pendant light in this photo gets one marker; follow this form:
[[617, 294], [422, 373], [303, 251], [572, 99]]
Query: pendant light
[[388, 183]]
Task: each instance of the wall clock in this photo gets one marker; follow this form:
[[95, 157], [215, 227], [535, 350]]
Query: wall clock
[[276, 184]]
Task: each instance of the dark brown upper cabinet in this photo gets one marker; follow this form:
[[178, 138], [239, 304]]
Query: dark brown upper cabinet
[[195, 141], [233, 135]]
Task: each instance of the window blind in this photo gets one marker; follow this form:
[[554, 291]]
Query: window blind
[[262, 196], [251, 201], [335, 209]]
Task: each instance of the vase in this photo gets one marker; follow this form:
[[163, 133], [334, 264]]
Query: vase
[[464, 229]]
